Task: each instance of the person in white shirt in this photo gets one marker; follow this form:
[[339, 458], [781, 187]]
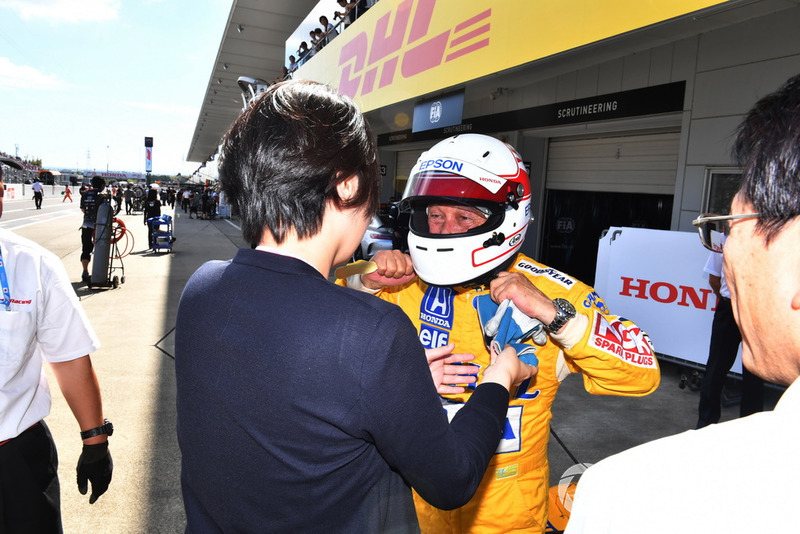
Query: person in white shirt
[[42, 320], [740, 476], [345, 15], [38, 193]]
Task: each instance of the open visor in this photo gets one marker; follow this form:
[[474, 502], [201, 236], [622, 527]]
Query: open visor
[[418, 220]]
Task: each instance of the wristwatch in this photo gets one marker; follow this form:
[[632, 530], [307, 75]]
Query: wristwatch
[[564, 312], [106, 428]]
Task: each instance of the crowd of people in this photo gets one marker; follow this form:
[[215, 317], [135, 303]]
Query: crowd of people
[[460, 309], [24, 163], [328, 29], [345, 14], [200, 203]]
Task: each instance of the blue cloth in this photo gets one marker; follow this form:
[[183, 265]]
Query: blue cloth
[[505, 325], [305, 407]]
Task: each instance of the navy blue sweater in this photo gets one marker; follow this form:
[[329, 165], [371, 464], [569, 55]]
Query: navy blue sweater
[[304, 406]]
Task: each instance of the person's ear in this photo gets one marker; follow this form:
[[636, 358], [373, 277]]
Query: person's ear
[[348, 188], [794, 237]]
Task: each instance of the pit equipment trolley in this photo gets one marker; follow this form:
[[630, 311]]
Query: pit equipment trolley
[[161, 227]]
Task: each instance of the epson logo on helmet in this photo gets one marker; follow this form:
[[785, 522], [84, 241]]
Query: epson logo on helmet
[[446, 164]]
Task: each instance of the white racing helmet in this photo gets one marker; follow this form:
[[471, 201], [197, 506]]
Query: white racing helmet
[[469, 170]]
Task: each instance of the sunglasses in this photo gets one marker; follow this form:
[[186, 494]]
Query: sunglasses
[[714, 228]]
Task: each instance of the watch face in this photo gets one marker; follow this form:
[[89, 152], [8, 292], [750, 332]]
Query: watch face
[[564, 312], [566, 306]]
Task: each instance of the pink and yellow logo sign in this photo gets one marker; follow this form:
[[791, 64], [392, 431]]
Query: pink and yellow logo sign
[[401, 49]]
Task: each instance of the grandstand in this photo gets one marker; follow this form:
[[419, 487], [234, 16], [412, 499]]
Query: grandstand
[[16, 170]]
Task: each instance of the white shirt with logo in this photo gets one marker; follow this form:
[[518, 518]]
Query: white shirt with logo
[[44, 321]]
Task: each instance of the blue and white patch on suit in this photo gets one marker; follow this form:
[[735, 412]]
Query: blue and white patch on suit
[[512, 428], [436, 316]]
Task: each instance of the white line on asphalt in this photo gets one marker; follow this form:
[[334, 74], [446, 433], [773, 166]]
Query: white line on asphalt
[[37, 219]]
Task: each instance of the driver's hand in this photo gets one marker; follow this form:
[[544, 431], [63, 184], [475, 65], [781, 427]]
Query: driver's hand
[[394, 269]]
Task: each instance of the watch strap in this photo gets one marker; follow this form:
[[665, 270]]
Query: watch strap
[[106, 428], [564, 312]]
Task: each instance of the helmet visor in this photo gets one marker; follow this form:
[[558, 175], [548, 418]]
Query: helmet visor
[[454, 186]]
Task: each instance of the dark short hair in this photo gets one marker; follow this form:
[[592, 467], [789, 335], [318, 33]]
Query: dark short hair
[[767, 146], [283, 158], [98, 183]]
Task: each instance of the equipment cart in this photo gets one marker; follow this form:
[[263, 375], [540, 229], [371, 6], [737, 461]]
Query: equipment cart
[[161, 228]]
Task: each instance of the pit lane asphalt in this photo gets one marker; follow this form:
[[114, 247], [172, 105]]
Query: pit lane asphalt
[[135, 366]]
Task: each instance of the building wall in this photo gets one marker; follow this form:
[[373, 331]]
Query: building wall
[[726, 71], [735, 67]]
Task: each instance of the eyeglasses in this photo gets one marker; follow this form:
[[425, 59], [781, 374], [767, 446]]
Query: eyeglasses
[[714, 228]]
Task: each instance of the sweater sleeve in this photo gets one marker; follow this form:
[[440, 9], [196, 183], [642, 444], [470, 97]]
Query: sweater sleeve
[[404, 418]]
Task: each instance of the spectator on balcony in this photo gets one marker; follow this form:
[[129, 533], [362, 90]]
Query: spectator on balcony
[[292, 64], [329, 31], [313, 42], [362, 7], [346, 16], [319, 40], [302, 53], [284, 75]]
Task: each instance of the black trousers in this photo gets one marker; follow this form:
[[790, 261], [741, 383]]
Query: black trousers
[[87, 243], [30, 499], [725, 339], [37, 199]]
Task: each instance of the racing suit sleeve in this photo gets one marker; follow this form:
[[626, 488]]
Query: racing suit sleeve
[[614, 355]]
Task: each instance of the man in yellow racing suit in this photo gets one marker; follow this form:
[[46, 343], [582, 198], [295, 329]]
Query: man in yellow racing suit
[[613, 354]]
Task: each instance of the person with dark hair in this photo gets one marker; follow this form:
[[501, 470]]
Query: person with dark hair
[[118, 198], [195, 204], [345, 15], [739, 476], [319, 36], [90, 201], [328, 29], [38, 193], [152, 208], [42, 320], [303, 405], [314, 40], [302, 53], [128, 194]]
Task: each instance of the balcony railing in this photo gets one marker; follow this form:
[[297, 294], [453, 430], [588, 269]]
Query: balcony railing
[[298, 51]]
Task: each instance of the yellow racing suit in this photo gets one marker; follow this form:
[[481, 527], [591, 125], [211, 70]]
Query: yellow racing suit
[[615, 357]]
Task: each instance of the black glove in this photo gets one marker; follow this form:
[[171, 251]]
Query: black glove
[[95, 464]]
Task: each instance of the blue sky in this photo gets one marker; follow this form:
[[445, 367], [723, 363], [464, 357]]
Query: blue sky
[[82, 82]]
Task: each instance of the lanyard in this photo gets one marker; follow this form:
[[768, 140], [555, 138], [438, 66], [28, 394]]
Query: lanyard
[[4, 284]]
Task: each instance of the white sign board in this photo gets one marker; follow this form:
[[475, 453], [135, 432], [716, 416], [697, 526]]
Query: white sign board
[[656, 278]]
